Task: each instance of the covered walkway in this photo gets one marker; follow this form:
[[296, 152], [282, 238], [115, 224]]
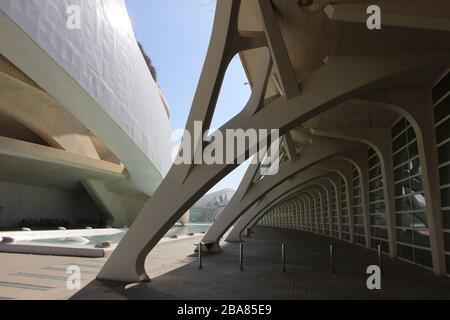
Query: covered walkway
[[308, 274]]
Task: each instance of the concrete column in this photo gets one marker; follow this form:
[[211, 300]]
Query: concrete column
[[384, 151], [335, 179], [297, 214], [322, 210], [380, 140], [344, 170], [426, 140], [349, 193], [327, 186], [359, 158], [313, 212], [416, 105]]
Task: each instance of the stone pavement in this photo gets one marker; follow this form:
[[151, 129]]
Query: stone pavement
[[308, 274], [37, 277]]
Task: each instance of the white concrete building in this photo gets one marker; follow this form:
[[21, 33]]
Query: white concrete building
[[84, 128]]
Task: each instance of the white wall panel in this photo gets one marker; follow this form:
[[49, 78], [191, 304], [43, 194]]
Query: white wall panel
[[104, 59]]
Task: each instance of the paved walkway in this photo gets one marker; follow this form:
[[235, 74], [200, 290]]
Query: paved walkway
[[32, 277], [307, 276]]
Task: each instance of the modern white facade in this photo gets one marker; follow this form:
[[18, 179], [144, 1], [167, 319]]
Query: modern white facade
[[106, 109]]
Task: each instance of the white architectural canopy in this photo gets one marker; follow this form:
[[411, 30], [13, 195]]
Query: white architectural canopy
[[334, 89]]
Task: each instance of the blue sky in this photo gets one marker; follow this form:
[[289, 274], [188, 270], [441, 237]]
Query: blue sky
[[175, 34]]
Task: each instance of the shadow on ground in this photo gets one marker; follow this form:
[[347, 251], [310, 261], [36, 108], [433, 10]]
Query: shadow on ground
[[308, 274]]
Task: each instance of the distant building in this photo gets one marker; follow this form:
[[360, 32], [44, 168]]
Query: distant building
[[210, 206]]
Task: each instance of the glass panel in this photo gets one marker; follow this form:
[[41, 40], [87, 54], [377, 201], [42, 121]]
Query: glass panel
[[375, 172], [418, 202], [405, 252], [423, 257], [444, 153], [411, 134], [377, 207], [373, 161], [405, 220], [399, 142], [358, 220], [447, 241], [402, 188], [376, 184], [443, 131], [444, 173], [442, 110], [420, 220], [401, 172], [401, 157], [413, 150], [398, 127], [441, 88], [414, 167], [376, 196], [416, 184], [446, 218], [422, 238], [445, 197], [447, 259], [403, 204]]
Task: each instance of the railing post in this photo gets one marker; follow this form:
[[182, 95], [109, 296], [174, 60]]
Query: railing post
[[200, 247], [241, 257], [332, 269], [380, 257]]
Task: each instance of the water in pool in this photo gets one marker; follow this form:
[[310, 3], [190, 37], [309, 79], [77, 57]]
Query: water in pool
[[177, 230]]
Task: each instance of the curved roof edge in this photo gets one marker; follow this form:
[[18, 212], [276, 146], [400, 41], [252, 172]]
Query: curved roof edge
[[97, 73]]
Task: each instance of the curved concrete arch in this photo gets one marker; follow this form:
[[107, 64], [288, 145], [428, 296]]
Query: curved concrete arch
[[288, 208], [256, 213], [244, 197], [287, 188], [333, 179], [415, 106], [378, 139], [328, 188], [247, 220], [324, 200], [321, 90], [302, 214], [296, 213], [282, 215], [311, 217], [343, 169], [312, 212], [358, 159], [298, 205], [280, 201], [307, 202], [317, 197], [289, 214]]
